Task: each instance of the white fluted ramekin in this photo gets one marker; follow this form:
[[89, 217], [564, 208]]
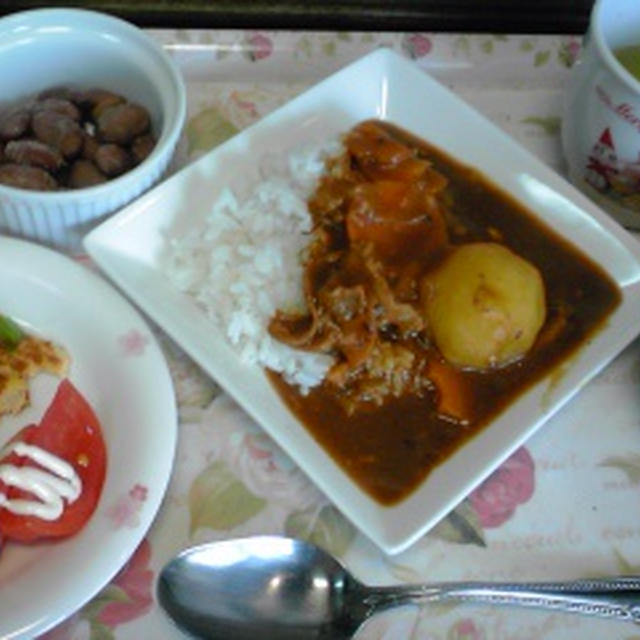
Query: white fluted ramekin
[[45, 48]]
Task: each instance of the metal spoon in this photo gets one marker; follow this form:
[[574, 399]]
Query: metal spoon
[[284, 589]]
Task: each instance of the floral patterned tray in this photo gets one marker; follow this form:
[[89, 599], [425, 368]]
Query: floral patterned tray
[[561, 507]]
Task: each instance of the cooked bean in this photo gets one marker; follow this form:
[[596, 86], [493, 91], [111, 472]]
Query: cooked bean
[[89, 146], [58, 105], [14, 124], [26, 177], [122, 123], [59, 131], [85, 174], [141, 147], [96, 101], [112, 159], [80, 137], [104, 104], [33, 153], [62, 92]]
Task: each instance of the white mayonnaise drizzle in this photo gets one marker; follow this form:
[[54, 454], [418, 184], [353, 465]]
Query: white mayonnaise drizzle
[[53, 483]]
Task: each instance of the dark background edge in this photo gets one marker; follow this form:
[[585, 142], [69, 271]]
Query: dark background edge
[[490, 16]]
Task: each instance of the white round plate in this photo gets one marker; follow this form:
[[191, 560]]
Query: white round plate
[[118, 366]]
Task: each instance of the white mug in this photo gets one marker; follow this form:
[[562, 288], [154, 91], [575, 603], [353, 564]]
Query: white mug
[[601, 120]]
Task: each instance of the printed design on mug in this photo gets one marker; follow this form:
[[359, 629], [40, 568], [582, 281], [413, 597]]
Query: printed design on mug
[[602, 163], [623, 110], [608, 174]]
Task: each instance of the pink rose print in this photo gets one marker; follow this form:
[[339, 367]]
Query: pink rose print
[[126, 598], [135, 580], [246, 105], [258, 453], [133, 343], [569, 51], [417, 45], [496, 499], [465, 630], [125, 511], [573, 47], [261, 46]]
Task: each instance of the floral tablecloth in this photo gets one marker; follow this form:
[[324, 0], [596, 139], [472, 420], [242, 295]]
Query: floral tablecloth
[[566, 505]]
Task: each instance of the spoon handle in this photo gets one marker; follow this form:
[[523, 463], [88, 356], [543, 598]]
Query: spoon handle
[[617, 598]]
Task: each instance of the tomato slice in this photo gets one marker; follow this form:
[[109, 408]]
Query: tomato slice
[[70, 430]]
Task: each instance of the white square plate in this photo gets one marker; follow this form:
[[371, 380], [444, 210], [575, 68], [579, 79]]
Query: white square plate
[[381, 85]]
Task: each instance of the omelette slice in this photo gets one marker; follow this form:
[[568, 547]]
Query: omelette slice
[[22, 356]]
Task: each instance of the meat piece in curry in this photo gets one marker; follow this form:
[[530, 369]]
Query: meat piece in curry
[[439, 296], [376, 217]]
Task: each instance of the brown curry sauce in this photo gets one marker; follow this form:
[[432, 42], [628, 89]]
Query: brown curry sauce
[[390, 449]]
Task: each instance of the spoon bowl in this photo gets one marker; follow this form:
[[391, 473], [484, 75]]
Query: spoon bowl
[[286, 589], [263, 586]]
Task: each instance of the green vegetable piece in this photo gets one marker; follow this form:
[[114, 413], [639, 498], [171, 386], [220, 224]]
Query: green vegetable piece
[[10, 333]]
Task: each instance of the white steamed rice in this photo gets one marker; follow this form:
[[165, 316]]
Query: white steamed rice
[[244, 261]]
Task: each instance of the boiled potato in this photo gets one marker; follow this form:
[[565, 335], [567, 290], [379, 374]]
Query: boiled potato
[[484, 305]]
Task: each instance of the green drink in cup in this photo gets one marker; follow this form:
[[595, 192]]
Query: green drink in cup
[[601, 119], [629, 58]]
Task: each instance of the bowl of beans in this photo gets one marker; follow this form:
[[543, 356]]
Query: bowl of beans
[[91, 111]]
